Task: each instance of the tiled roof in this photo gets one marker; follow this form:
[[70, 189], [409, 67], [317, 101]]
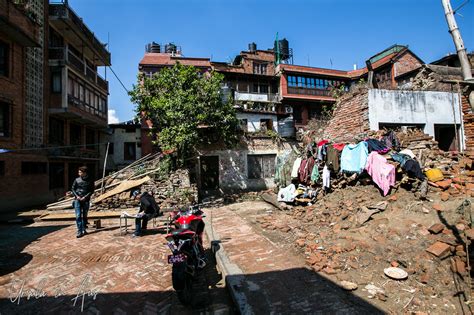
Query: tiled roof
[[160, 59]]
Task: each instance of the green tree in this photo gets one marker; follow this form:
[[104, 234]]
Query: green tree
[[181, 99]]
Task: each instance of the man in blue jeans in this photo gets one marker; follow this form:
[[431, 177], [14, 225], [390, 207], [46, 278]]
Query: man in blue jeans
[[148, 210], [82, 189]]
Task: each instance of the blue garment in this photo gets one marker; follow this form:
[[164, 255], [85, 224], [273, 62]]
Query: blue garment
[[81, 208], [401, 158], [141, 223], [354, 157]]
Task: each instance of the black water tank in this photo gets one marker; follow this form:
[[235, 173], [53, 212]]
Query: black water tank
[[154, 48], [170, 48], [284, 49], [252, 47]]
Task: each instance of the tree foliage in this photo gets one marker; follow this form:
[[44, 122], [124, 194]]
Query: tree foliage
[[185, 107]]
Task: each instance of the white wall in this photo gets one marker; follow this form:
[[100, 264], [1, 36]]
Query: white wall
[[119, 137], [414, 107], [253, 120]]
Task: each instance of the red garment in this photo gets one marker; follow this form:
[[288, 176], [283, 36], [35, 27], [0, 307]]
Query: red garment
[[308, 169], [322, 142], [339, 146], [301, 171]]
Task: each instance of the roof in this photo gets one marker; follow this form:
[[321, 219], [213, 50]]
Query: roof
[[313, 70], [163, 59]]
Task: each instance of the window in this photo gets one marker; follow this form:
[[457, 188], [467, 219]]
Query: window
[[111, 148], [90, 139], [88, 97], [130, 129], [2, 168], [76, 89], [70, 86], [244, 125], [56, 175], [75, 134], [4, 120], [4, 59], [260, 88], [261, 166], [129, 151], [56, 131], [266, 124], [291, 80], [81, 92], [56, 81], [260, 68], [33, 168]]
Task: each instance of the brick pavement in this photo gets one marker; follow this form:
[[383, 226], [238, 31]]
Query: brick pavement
[[276, 281], [103, 272]]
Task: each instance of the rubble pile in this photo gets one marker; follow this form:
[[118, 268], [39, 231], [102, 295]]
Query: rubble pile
[[353, 236], [151, 173]]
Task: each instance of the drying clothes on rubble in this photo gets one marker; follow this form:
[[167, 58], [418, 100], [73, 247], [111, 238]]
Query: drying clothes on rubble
[[376, 145], [332, 158], [401, 158], [408, 152], [322, 152], [390, 139], [296, 167], [413, 169], [287, 194], [283, 168], [382, 173], [354, 157], [326, 177], [339, 146], [315, 173], [322, 142], [309, 169], [302, 171]]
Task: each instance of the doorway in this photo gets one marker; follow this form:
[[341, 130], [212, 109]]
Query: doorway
[[446, 137], [209, 172]]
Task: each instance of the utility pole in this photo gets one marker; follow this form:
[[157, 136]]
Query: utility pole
[[458, 42]]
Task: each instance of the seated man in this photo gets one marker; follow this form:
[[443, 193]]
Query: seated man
[[148, 210]]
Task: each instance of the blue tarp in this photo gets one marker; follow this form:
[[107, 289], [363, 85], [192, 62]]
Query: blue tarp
[[354, 157], [4, 151]]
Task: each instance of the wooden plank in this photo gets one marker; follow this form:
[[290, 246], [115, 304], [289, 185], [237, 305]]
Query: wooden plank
[[126, 185]]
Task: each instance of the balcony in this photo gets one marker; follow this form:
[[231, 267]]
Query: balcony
[[256, 97], [17, 22], [62, 55], [73, 152], [73, 29], [86, 108], [306, 91]]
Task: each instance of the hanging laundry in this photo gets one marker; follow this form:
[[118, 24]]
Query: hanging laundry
[[332, 158], [413, 169], [308, 169], [339, 146], [354, 157], [302, 170], [376, 145], [382, 173], [326, 177], [287, 194], [400, 158], [315, 173], [322, 142], [296, 167], [390, 139]]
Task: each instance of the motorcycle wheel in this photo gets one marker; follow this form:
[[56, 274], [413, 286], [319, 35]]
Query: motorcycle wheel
[[182, 283]]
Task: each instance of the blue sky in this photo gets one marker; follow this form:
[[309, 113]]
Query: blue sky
[[323, 33]]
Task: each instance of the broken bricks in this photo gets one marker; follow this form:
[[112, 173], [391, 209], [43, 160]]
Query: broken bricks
[[439, 249]]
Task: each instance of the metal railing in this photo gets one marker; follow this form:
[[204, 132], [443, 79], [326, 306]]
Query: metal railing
[[305, 91], [74, 101]]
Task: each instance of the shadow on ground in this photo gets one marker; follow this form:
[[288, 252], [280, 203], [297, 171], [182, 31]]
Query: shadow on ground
[[14, 239]]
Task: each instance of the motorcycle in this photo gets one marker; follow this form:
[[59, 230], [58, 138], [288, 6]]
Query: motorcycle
[[185, 243]]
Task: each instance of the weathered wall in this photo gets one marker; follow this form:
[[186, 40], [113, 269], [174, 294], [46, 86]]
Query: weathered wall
[[413, 107], [405, 63], [253, 120], [350, 116], [233, 168]]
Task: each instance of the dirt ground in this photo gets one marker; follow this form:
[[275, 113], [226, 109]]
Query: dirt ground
[[331, 238]]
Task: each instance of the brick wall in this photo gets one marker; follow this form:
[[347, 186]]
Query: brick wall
[[350, 116], [406, 63], [468, 118]]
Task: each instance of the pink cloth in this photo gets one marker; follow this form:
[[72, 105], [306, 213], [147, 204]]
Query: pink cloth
[[382, 173]]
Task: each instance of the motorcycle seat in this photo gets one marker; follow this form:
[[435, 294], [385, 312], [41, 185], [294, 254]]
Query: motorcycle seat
[[182, 231]]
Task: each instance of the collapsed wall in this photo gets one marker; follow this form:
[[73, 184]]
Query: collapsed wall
[[350, 116]]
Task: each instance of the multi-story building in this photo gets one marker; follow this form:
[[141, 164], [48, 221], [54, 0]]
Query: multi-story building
[[77, 112], [53, 103]]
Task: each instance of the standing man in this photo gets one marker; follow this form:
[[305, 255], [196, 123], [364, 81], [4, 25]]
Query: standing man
[[148, 210], [82, 189]]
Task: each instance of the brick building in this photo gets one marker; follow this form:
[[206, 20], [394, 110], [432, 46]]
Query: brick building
[[53, 104]]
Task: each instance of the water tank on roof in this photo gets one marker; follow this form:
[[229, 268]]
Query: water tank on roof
[[153, 48], [284, 48], [170, 48], [252, 47]]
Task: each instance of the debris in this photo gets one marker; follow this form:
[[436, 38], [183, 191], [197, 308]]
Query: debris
[[395, 273], [439, 249], [124, 186], [436, 228], [365, 214], [349, 286]]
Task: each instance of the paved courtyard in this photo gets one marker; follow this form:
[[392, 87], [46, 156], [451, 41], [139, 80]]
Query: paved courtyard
[[45, 269]]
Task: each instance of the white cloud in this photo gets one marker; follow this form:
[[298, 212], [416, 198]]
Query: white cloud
[[113, 119]]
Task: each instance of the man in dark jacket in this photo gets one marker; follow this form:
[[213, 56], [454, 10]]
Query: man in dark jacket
[[148, 210], [82, 189]]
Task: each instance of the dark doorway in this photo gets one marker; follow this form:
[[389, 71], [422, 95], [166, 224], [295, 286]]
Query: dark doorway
[[209, 169], [446, 137]]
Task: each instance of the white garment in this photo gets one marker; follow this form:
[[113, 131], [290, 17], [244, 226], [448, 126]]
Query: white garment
[[326, 177], [287, 194], [408, 152], [296, 166]]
